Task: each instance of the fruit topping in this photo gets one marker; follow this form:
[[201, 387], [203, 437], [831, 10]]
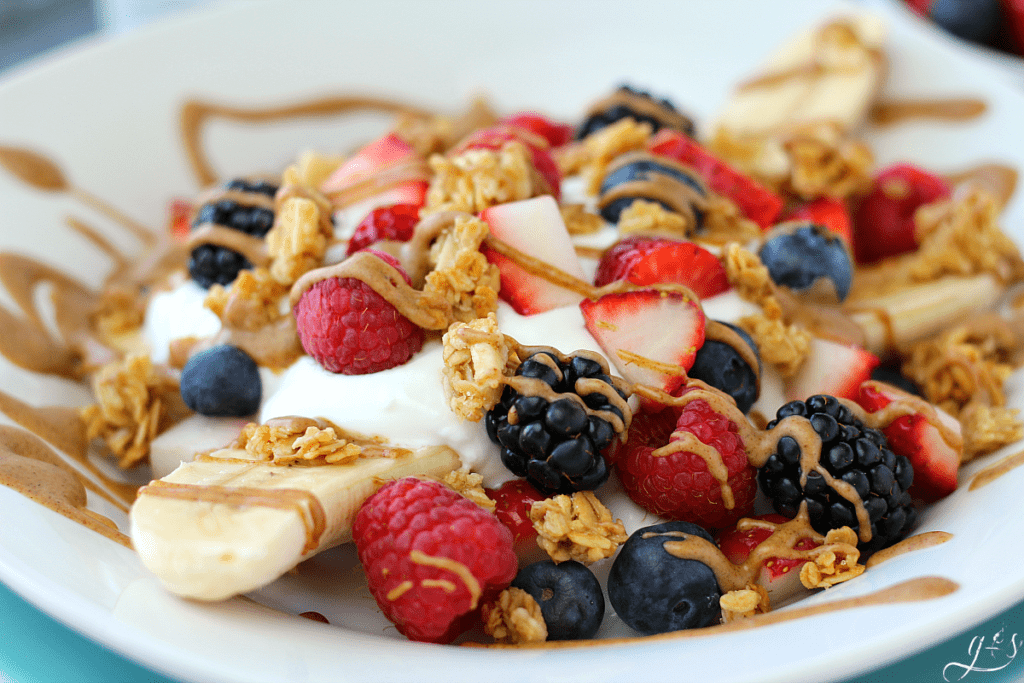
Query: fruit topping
[[395, 222], [535, 228], [927, 435], [827, 211], [831, 368], [222, 381], [655, 591], [241, 205], [431, 557], [386, 171], [569, 596], [637, 105], [780, 576], [513, 501], [809, 259], [695, 470], [725, 363], [645, 176], [555, 417], [649, 260], [757, 202], [883, 223], [556, 134], [349, 328], [649, 334], [496, 137], [857, 481]]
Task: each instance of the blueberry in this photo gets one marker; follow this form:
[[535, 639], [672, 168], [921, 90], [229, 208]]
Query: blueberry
[[801, 255], [975, 20], [223, 381], [569, 596], [653, 591], [722, 366]]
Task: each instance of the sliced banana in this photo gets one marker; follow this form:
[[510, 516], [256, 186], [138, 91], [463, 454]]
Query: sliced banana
[[227, 524]]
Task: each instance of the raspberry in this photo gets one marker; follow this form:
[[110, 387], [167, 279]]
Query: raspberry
[[431, 557], [395, 222], [513, 501], [351, 329], [679, 485]]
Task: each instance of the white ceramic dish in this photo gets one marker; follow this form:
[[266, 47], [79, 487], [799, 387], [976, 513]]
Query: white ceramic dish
[[108, 114]]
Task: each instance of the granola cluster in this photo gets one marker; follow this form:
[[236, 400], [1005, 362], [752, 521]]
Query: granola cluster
[[834, 561], [477, 358], [515, 618], [651, 218], [592, 156], [253, 301], [135, 402], [479, 178], [297, 443], [579, 221], [471, 486], [826, 163], [744, 603], [577, 528], [299, 238], [462, 275]]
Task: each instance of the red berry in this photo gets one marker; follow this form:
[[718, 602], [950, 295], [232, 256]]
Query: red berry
[[680, 485], [828, 211], [760, 204], [649, 260], [351, 329], [557, 134], [431, 557], [395, 222], [513, 501], [179, 217], [883, 224]]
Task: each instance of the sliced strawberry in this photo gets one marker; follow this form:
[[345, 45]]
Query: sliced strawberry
[[534, 227], [883, 224], [760, 204], [557, 134], [497, 136], [661, 326], [831, 368], [387, 152], [779, 576], [179, 218], [929, 437], [827, 211], [650, 260]]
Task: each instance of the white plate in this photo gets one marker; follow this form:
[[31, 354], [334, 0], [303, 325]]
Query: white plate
[[108, 114]]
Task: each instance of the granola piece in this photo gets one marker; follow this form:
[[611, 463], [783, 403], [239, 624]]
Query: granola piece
[[479, 178], [297, 442], [651, 218], [577, 528], [834, 561], [311, 169], [477, 359], [427, 134], [750, 278], [515, 618], [470, 485], [298, 241], [135, 402], [724, 222], [744, 603], [579, 221], [825, 163], [462, 275], [989, 428], [119, 311], [785, 347], [253, 301]]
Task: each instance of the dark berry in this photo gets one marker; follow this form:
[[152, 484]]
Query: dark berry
[[800, 254], [569, 596], [892, 375], [664, 114], [974, 20], [211, 264], [557, 445], [654, 591], [722, 366], [222, 381], [855, 455], [628, 179]]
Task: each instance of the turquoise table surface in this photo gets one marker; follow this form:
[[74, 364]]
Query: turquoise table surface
[[37, 649]]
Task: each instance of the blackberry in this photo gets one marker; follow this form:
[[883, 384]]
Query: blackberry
[[241, 205], [850, 452], [639, 105], [556, 444]]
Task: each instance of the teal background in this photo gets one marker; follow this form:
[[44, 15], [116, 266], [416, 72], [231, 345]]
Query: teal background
[[36, 649]]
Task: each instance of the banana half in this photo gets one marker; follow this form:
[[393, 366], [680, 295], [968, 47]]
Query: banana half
[[226, 523]]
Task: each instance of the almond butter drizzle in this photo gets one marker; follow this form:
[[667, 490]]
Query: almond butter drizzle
[[892, 112], [643, 106], [929, 539], [415, 169], [302, 502], [993, 472]]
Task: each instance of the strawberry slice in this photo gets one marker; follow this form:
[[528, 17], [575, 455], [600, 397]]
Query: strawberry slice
[[179, 218], [827, 211], [495, 137], [534, 227], [650, 260], [883, 224], [779, 576], [389, 151], [831, 368], [661, 326], [929, 437], [760, 204], [557, 134]]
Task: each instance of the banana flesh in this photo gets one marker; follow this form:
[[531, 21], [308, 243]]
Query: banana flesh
[[227, 524]]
